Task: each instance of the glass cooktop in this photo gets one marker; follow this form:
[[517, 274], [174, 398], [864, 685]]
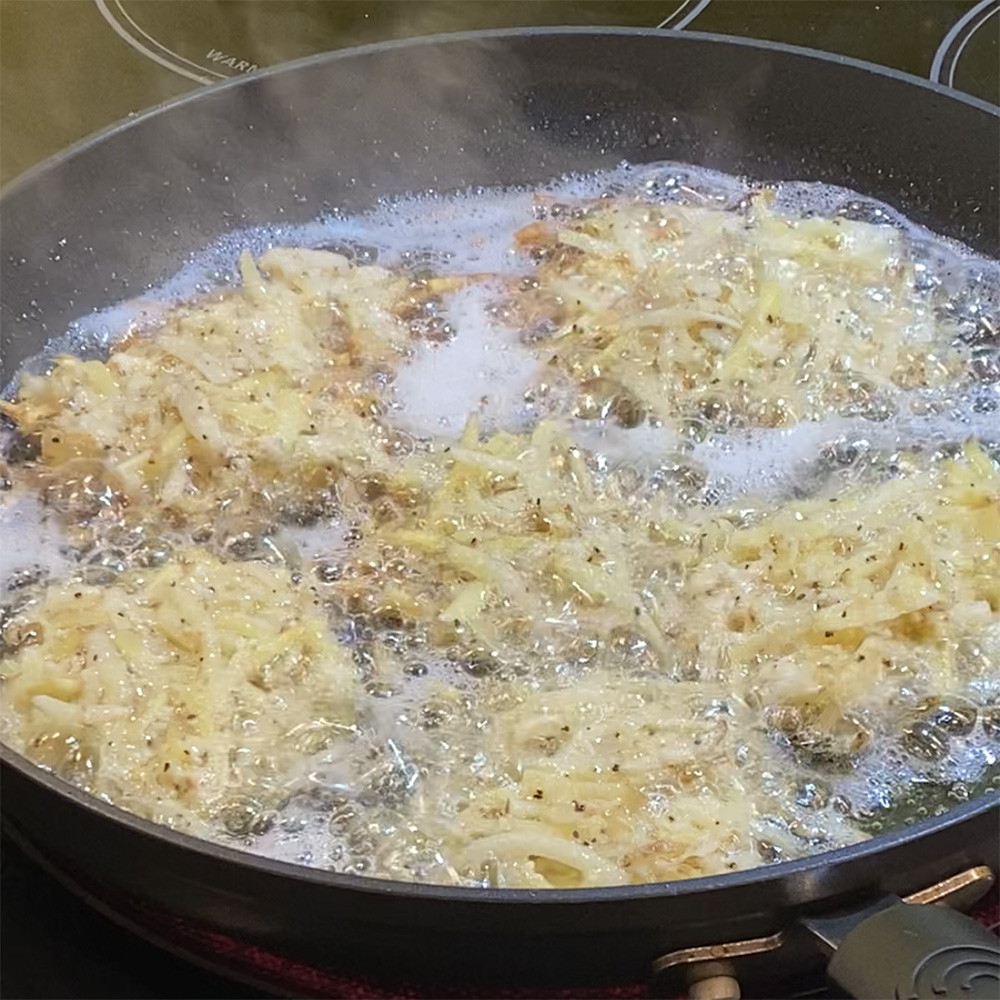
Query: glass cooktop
[[71, 67]]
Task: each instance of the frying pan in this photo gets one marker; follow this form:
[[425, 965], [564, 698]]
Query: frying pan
[[124, 210]]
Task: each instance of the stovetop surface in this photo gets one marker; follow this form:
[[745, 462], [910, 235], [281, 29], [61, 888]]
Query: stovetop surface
[[70, 67]]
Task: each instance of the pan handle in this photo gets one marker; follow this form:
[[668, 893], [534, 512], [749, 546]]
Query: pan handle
[[916, 948], [898, 950]]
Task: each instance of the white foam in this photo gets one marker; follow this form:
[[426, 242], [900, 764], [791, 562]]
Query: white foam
[[646, 447], [772, 461], [322, 540], [766, 461], [30, 540], [484, 369]]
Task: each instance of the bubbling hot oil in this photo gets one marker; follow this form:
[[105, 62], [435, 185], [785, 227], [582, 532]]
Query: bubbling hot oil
[[349, 806]]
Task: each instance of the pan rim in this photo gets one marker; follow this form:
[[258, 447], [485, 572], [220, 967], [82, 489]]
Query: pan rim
[[369, 885]]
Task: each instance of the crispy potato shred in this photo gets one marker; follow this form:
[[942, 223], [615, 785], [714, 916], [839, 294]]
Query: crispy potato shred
[[731, 319], [139, 688], [614, 684], [262, 389]]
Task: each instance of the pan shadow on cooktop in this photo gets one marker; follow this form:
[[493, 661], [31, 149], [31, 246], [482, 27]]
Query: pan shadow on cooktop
[[53, 946]]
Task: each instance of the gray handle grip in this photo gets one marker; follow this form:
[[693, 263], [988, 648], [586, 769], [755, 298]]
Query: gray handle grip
[[909, 952]]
